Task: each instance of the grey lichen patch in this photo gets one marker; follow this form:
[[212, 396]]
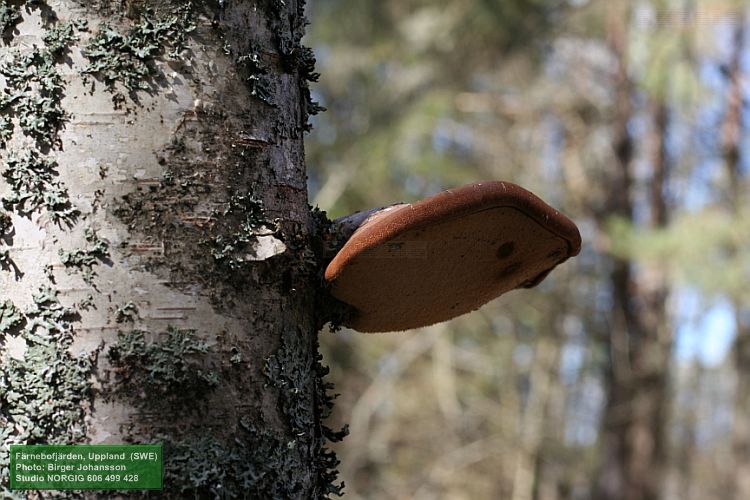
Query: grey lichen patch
[[48, 313], [6, 263], [236, 356], [126, 312], [10, 15], [84, 260], [6, 224], [45, 390], [257, 464], [34, 88], [257, 77], [39, 112], [31, 101], [6, 124], [306, 63], [33, 94], [86, 303], [58, 38], [238, 230], [295, 55], [6, 229], [128, 59], [299, 377], [45, 394], [294, 378], [172, 371], [31, 177], [10, 318]]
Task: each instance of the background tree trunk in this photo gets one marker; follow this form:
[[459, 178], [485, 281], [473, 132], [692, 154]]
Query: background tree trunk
[[532, 428], [732, 154], [634, 421], [160, 280]]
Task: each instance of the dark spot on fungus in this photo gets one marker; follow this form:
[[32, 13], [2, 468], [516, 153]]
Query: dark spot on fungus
[[505, 250]]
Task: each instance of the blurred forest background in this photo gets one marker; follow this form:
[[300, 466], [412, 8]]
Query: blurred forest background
[[626, 374]]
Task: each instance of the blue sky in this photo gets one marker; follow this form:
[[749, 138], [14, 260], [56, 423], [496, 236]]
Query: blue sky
[[705, 331]]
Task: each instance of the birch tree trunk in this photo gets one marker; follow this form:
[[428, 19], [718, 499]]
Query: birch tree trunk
[[159, 276]]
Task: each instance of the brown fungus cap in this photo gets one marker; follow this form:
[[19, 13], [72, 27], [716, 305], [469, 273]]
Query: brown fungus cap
[[414, 265]]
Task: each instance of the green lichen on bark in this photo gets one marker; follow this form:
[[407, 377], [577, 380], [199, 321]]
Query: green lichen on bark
[[98, 250], [236, 230], [33, 94], [6, 124], [6, 229], [10, 318], [6, 263], [288, 32], [126, 312], [258, 464], [84, 259], [170, 371], [10, 15], [31, 101], [305, 403], [128, 59], [34, 88], [6, 223], [46, 391], [236, 357], [261, 462], [58, 38], [31, 177], [257, 77]]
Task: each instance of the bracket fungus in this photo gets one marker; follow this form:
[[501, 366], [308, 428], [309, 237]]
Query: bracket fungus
[[412, 265]]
